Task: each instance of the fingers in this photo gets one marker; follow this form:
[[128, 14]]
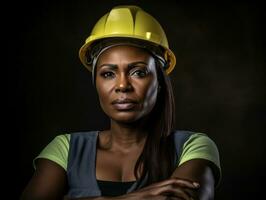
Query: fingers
[[177, 181], [185, 183], [173, 191], [174, 187]]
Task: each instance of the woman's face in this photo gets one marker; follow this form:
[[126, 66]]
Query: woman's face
[[126, 82]]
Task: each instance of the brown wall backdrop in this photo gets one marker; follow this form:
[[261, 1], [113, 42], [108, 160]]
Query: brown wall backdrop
[[219, 81]]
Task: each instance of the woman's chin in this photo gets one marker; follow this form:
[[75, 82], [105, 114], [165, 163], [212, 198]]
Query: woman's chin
[[126, 117]]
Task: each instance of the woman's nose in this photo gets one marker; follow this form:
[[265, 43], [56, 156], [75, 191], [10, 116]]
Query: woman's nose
[[123, 84]]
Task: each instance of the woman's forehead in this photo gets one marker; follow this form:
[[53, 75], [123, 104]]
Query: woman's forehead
[[124, 51]]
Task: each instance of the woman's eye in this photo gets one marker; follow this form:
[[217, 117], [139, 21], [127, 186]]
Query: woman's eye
[[107, 74], [139, 73]]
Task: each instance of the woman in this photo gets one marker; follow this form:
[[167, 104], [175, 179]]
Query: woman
[[140, 156]]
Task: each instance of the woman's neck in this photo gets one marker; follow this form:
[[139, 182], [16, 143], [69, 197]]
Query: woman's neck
[[125, 138]]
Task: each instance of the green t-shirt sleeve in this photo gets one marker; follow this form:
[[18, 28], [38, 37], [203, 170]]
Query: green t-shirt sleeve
[[56, 151], [200, 146]]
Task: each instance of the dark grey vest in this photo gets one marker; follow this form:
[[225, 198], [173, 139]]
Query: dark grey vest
[[82, 158]]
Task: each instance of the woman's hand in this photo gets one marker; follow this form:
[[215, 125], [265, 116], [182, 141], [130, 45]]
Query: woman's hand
[[173, 188], [170, 189]]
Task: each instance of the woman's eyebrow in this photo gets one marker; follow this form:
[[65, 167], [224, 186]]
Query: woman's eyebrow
[[111, 66], [132, 65]]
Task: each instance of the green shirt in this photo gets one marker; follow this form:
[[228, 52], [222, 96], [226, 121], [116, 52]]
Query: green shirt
[[198, 146]]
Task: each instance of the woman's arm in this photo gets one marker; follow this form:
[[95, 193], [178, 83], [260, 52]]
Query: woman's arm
[[49, 182], [170, 189], [198, 170]]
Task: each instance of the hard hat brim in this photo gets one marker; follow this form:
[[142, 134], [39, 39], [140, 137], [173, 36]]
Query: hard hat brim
[[87, 47]]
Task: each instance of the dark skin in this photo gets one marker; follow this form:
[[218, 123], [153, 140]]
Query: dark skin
[[127, 86]]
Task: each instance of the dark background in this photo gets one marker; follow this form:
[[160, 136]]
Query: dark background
[[218, 81]]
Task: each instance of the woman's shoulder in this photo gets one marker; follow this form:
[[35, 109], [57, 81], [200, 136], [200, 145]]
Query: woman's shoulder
[[191, 140], [66, 137], [58, 149], [84, 134], [187, 133], [184, 137], [197, 145], [191, 145]]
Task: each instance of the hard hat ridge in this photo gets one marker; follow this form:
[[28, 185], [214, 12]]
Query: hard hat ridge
[[132, 23]]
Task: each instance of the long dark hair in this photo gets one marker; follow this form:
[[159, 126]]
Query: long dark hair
[[158, 156]]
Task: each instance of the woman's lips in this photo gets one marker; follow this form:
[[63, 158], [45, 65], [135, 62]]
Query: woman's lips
[[124, 104]]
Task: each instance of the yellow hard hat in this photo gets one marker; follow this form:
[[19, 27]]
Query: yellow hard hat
[[128, 22]]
